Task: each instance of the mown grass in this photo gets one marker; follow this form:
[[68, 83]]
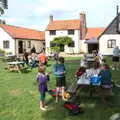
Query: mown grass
[[19, 97]]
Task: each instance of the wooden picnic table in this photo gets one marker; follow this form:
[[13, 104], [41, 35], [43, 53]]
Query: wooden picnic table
[[86, 82], [15, 65]]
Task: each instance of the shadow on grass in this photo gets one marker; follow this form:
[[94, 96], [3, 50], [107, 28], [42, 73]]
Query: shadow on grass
[[93, 107]]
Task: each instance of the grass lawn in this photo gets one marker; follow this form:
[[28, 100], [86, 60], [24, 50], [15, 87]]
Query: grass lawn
[[19, 97]]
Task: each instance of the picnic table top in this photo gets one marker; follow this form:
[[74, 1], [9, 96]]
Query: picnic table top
[[15, 63]]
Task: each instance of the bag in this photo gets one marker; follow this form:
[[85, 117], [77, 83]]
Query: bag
[[74, 108], [52, 92], [95, 80]]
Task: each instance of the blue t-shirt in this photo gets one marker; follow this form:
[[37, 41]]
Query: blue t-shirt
[[106, 77], [58, 69]]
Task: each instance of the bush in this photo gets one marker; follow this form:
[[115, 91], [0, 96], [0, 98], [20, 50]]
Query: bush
[[2, 51], [9, 53]]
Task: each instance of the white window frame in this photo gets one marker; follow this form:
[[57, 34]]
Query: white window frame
[[111, 43], [6, 44]]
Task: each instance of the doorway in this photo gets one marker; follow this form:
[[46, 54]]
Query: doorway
[[92, 47], [20, 47]]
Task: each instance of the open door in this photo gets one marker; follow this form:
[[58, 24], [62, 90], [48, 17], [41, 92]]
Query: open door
[[20, 47]]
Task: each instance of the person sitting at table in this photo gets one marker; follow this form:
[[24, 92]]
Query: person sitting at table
[[106, 82], [83, 61], [32, 60], [93, 71], [80, 72], [96, 57]]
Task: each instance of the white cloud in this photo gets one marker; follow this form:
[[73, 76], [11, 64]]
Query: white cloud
[[14, 20], [34, 13]]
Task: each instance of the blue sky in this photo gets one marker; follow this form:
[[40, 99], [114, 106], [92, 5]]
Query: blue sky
[[35, 13]]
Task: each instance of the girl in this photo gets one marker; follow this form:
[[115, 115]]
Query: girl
[[42, 79]]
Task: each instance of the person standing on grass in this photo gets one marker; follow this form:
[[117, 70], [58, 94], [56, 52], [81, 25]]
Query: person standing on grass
[[116, 59], [42, 58], [42, 79], [59, 72], [25, 57]]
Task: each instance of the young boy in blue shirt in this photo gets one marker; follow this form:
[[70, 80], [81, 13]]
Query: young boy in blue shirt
[[59, 72]]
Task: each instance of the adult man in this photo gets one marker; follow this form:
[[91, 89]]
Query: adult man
[[115, 59]]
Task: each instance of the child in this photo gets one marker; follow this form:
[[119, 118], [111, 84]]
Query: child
[[96, 57], [106, 82], [42, 58], [80, 71], [59, 72], [42, 85], [83, 61]]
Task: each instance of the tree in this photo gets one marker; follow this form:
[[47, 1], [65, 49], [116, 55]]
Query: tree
[[1, 11], [58, 43]]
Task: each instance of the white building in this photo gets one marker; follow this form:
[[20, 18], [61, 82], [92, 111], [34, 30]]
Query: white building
[[110, 37], [76, 29], [15, 39]]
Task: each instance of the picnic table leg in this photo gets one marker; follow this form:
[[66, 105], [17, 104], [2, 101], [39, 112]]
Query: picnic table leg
[[90, 89]]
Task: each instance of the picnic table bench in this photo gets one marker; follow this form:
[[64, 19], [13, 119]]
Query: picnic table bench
[[9, 58]]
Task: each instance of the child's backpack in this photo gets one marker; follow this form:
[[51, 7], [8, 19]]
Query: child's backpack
[[74, 108], [95, 80], [52, 92]]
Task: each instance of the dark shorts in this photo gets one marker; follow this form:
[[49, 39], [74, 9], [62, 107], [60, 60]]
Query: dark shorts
[[115, 59], [42, 96], [60, 81]]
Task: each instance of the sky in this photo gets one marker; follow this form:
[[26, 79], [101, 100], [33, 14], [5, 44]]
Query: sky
[[35, 13]]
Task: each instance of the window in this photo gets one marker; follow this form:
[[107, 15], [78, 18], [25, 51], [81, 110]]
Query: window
[[6, 44], [29, 44], [111, 43], [52, 32], [72, 44], [52, 44], [70, 32]]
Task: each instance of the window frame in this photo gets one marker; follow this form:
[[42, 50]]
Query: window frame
[[111, 43], [6, 44], [29, 44], [52, 32], [71, 32]]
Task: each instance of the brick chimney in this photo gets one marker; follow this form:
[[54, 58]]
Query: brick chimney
[[50, 18], [83, 28]]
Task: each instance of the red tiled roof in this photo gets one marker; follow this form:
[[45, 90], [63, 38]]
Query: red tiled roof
[[94, 32], [23, 33], [64, 24]]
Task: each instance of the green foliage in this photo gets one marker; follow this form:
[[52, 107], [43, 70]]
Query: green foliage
[[55, 49], [2, 51], [59, 42], [1, 11], [9, 53], [62, 40]]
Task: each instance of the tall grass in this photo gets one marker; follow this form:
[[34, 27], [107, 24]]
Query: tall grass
[[19, 97]]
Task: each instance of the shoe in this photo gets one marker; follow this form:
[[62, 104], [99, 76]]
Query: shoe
[[42, 108], [46, 106], [56, 101], [113, 68]]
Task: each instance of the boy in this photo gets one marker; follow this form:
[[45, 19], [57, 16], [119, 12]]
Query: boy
[[59, 72]]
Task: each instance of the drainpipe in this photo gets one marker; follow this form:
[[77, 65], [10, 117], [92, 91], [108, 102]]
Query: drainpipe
[[15, 48]]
